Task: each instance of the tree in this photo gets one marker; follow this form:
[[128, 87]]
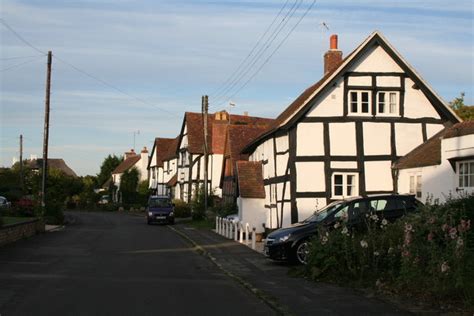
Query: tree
[[129, 185], [108, 165], [465, 112]]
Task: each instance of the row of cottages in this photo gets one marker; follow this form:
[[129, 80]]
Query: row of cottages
[[162, 166], [442, 167], [341, 136], [176, 166], [130, 160]]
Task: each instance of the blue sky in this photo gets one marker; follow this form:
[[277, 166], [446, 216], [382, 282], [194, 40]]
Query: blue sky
[[169, 53]]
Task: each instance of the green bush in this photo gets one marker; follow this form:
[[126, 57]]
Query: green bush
[[181, 209], [53, 213], [109, 207], [429, 253]]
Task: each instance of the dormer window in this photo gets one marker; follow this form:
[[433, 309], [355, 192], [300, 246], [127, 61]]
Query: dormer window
[[359, 102], [387, 103]]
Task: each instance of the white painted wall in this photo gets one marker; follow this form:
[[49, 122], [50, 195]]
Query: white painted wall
[[441, 181], [330, 102], [310, 177], [378, 176], [407, 136], [376, 60], [310, 139], [416, 103], [376, 138], [252, 211], [343, 139]]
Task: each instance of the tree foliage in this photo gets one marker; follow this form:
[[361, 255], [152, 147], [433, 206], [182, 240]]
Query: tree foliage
[[108, 165], [129, 185], [464, 111]]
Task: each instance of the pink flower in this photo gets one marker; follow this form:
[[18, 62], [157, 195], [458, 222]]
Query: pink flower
[[430, 236], [324, 240], [432, 220], [444, 267], [453, 233], [408, 238], [444, 227], [459, 243], [408, 227], [464, 226], [405, 253]]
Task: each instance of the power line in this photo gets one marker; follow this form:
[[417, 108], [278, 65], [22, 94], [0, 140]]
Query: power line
[[251, 52], [20, 37], [19, 57], [263, 49], [21, 64], [271, 55]]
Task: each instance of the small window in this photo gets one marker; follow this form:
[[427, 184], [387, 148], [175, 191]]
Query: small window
[[359, 102], [415, 185], [344, 185], [387, 103], [466, 174]]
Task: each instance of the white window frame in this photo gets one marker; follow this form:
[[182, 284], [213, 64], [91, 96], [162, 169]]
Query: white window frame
[[415, 185], [344, 184], [388, 104], [461, 178], [359, 102]]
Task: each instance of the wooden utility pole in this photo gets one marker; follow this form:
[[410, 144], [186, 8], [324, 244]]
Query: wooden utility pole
[[21, 164], [205, 109], [46, 131]]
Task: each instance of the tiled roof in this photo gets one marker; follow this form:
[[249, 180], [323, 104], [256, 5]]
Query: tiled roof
[[194, 123], [171, 152], [127, 164], [240, 135], [250, 179], [173, 181], [429, 153], [53, 163], [162, 148]]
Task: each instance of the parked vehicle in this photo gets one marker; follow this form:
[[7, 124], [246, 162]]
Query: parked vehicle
[[4, 204], [160, 209], [104, 199], [292, 243], [234, 218]]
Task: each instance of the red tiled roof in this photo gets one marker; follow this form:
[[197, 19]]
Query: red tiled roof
[[172, 149], [194, 124], [429, 153], [240, 135], [173, 181], [127, 164], [250, 179], [162, 148]]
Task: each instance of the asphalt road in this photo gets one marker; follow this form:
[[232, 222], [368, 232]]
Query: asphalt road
[[115, 264]]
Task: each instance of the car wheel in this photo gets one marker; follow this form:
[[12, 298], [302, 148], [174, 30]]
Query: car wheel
[[302, 252]]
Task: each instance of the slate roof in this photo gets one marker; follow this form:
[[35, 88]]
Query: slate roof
[[250, 179], [194, 123], [53, 163], [429, 153], [127, 164]]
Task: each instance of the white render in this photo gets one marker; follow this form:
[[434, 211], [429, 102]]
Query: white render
[[254, 214], [439, 182]]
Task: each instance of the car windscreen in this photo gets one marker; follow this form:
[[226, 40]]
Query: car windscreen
[[159, 202], [323, 213]]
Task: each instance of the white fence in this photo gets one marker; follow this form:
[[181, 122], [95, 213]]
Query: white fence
[[236, 230]]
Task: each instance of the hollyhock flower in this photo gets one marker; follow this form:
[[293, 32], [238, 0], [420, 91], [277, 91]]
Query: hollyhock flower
[[408, 227], [459, 242], [374, 218], [324, 240], [364, 244], [405, 253], [390, 250], [408, 238], [453, 233], [345, 231], [432, 220], [444, 267], [444, 227], [464, 226], [376, 253], [384, 222], [430, 236], [337, 225]]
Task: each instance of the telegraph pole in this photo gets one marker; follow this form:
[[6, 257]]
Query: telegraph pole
[[21, 163], [46, 131], [205, 109]]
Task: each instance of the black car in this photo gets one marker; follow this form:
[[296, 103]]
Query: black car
[[160, 209], [292, 243]]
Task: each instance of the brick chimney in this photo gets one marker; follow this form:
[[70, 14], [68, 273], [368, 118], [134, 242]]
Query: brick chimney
[[333, 57], [129, 154]]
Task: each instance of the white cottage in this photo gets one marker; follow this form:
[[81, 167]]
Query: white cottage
[[442, 167], [340, 137], [162, 165], [130, 160]]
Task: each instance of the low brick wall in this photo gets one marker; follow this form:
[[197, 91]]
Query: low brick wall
[[13, 232]]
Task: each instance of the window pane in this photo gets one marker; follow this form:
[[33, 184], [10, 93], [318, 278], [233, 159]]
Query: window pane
[[354, 102], [471, 181], [338, 179], [338, 190], [466, 181], [393, 102], [461, 183], [365, 97], [471, 168], [378, 205], [365, 102], [382, 102], [412, 184]]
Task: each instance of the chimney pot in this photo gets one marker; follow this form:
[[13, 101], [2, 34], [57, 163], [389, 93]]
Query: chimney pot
[[333, 41]]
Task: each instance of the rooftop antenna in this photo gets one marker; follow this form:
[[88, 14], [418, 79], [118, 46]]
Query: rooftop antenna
[[135, 133], [324, 25], [231, 105]]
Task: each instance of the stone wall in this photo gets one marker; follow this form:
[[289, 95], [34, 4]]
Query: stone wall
[[13, 232]]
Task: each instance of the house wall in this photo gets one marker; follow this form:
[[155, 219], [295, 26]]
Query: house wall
[[252, 211], [439, 182], [329, 139]]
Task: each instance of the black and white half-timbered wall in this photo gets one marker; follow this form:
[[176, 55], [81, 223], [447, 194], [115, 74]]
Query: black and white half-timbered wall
[[342, 135]]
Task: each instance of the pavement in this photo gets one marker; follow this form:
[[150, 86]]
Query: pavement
[[271, 283]]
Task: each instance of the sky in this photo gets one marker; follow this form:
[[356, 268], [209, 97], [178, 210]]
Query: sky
[[122, 66]]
